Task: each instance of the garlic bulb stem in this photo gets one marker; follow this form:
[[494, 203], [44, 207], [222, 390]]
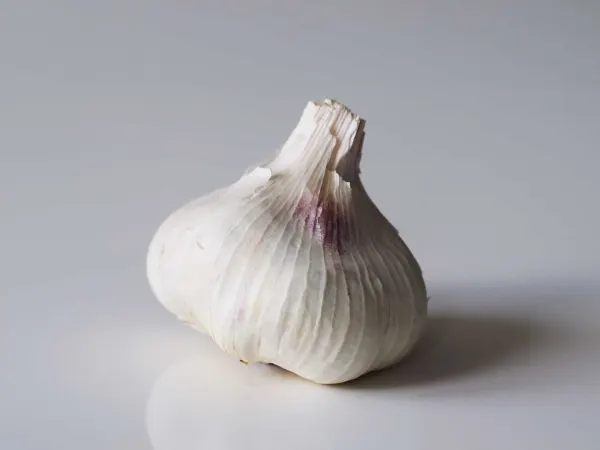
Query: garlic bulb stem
[[293, 264]]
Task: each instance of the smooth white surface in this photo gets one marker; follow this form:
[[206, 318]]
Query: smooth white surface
[[114, 113]]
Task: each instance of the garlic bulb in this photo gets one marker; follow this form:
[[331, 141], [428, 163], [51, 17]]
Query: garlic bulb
[[293, 264]]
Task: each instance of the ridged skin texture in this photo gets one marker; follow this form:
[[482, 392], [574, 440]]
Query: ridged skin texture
[[293, 264]]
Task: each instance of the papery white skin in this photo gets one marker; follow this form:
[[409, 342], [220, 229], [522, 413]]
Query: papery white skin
[[293, 264]]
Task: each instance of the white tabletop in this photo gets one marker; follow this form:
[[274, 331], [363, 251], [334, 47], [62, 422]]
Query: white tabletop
[[112, 114]]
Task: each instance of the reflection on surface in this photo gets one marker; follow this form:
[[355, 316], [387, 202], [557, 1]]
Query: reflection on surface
[[214, 402]]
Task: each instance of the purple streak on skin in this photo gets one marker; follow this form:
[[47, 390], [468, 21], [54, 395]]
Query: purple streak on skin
[[326, 222]]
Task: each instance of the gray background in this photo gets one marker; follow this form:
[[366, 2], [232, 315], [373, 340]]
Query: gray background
[[482, 148]]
